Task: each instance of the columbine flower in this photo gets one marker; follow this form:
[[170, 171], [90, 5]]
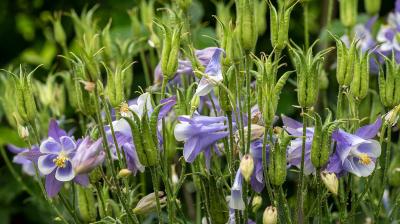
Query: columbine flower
[[20, 158], [257, 179], [295, 128], [356, 153], [200, 133], [55, 159], [88, 156], [213, 74], [185, 66], [143, 103], [236, 200]]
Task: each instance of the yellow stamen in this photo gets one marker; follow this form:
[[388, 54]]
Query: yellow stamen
[[364, 159], [124, 108], [61, 160]]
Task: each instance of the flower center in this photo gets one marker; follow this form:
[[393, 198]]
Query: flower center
[[364, 159], [61, 160], [124, 108]]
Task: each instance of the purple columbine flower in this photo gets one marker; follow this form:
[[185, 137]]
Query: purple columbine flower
[[88, 156], [185, 66], [236, 199], [257, 179], [295, 128], [200, 133], [356, 153], [56, 153], [213, 74], [22, 159]]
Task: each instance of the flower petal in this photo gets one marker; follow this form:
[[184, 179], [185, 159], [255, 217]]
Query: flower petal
[[369, 131], [46, 164], [82, 179], [53, 186], [65, 173], [55, 131], [236, 201], [50, 146], [68, 144]]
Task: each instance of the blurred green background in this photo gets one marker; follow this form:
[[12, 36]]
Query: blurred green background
[[26, 38]]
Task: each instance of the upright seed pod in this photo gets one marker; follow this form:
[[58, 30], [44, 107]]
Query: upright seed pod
[[277, 160], [279, 22], [372, 6], [316, 142], [86, 201], [360, 83], [348, 12], [148, 141], [246, 24], [389, 83], [137, 138]]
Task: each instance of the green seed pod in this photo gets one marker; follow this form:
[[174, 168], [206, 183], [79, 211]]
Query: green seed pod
[[261, 15], [389, 83], [148, 143], [316, 142], [115, 90], [224, 17], [360, 84], [106, 41], [246, 24], [170, 51], [341, 61], [147, 13], [394, 171], [86, 201], [59, 34], [137, 138], [280, 21], [308, 68], [348, 12], [277, 160], [223, 98], [184, 4], [26, 105], [372, 6], [351, 61]]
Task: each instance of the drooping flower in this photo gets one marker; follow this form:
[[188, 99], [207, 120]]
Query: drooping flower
[[236, 199], [295, 128], [356, 153], [88, 156], [213, 74], [256, 150], [200, 134], [55, 160]]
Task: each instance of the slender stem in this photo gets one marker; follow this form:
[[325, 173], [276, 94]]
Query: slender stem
[[385, 166], [231, 147], [248, 80], [285, 205], [163, 87], [265, 165], [154, 178], [145, 68], [339, 106], [67, 205], [300, 193], [306, 30]]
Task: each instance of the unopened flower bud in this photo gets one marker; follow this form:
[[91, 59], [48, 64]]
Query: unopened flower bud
[[256, 131], [23, 132], [392, 116], [372, 6], [148, 203], [247, 166], [88, 86], [348, 12], [124, 173], [270, 215], [331, 181], [174, 175], [246, 23], [256, 203]]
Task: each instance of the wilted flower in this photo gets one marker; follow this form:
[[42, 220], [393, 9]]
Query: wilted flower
[[270, 215], [88, 156], [236, 200], [356, 153], [148, 203], [200, 133]]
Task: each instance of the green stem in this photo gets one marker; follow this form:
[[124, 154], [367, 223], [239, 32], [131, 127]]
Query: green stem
[[248, 80], [339, 105], [285, 206], [145, 68], [265, 165], [306, 30], [300, 193], [154, 178]]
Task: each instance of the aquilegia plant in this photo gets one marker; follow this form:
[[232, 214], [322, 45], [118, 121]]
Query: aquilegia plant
[[305, 132]]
